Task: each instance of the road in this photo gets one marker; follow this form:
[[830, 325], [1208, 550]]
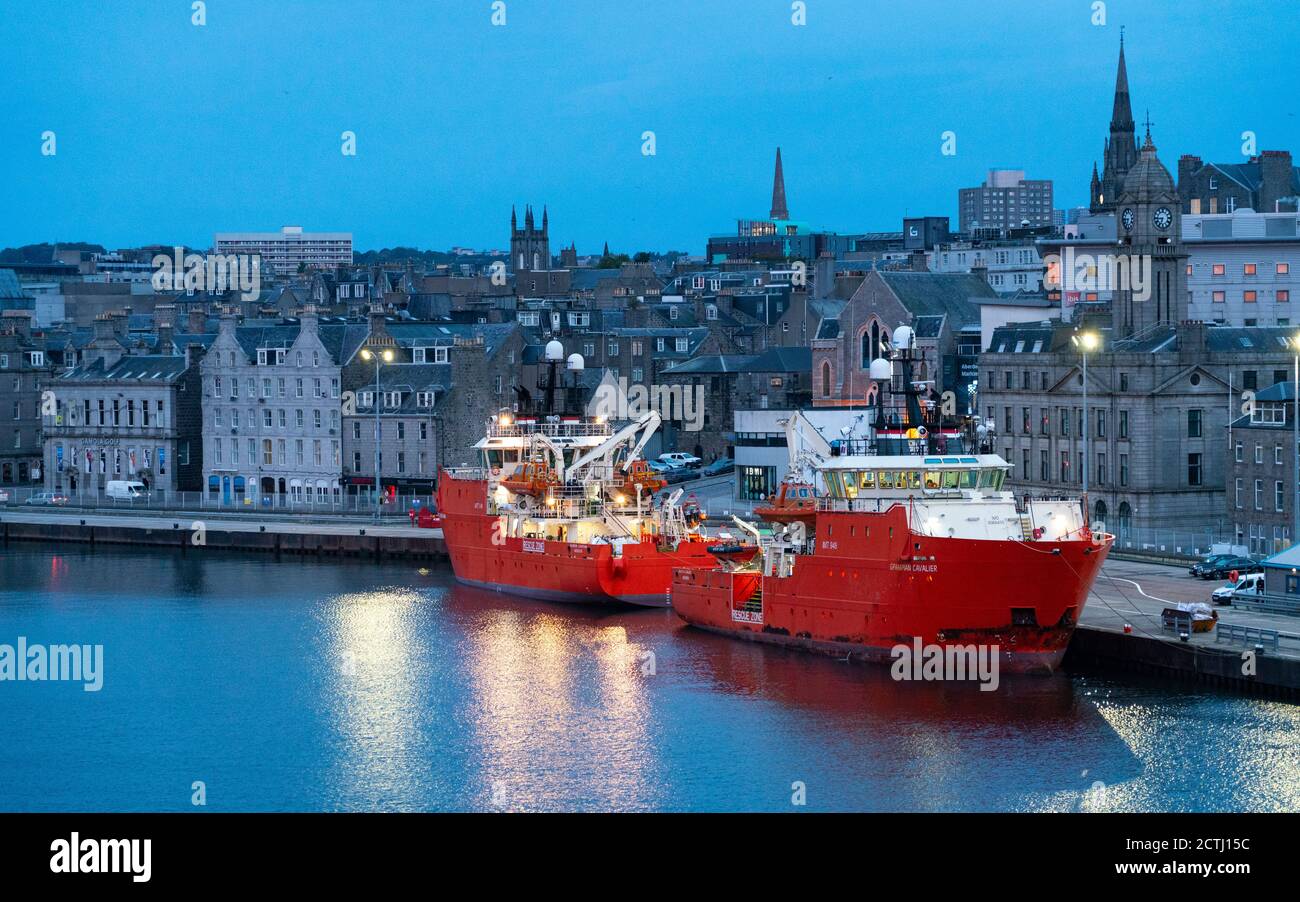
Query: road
[[1135, 592]]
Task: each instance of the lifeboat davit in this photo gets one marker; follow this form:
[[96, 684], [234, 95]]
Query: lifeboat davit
[[533, 479], [641, 474], [793, 502]]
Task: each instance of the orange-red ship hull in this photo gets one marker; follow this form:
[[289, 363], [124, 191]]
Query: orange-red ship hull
[[555, 571], [872, 585]]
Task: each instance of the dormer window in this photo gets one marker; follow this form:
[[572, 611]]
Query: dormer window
[[424, 399], [440, 355], [710, 312], [417, 355]]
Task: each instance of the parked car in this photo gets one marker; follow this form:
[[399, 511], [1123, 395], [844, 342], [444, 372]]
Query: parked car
[[1248, 584], [1207, 563], [660, 467], [1221, 567], [4, 497], [680, 459], [46, 499], [718, 467]]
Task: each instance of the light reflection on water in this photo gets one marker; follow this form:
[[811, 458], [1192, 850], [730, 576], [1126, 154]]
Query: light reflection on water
[[303, 684]]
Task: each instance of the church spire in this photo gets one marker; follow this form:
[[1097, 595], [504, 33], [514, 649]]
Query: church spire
[[1121, 118], [779, 210], [514, 220]]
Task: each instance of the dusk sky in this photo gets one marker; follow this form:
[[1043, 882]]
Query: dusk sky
[[167, 132]]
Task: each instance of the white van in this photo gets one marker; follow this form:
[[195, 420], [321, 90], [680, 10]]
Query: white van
[[122, 490], [1249, 584]]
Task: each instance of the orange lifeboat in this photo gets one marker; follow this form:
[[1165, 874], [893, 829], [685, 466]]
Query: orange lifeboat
[[793, 502], [533, 479], [640, 474]]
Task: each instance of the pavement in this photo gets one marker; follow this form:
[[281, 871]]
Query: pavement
[[243, 523], [1136, 592]]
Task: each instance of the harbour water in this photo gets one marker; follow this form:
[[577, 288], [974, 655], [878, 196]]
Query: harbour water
[[304, 684]]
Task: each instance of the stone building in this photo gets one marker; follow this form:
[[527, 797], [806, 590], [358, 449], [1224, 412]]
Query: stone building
[[119, 415], [941, 308], [1267, 183], [1261, 471], [272, 410], [24, 373], [777, 379], [407, 398]]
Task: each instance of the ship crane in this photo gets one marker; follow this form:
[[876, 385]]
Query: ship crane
[[646, 426]]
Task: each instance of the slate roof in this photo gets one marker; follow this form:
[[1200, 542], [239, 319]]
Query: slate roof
[[138, 368], [933, 294], [9, 287]]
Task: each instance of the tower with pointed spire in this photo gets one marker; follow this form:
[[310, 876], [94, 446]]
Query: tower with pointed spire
[[779, 209], [530, 247], [1150, 232], [1120, 150]]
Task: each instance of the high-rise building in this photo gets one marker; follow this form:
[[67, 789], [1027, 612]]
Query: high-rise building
[[287, 251], [1006, 201]]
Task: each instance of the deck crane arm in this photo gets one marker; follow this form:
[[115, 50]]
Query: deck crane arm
[[648, 422], [805, 444]]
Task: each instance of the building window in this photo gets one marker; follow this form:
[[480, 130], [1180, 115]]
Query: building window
[[1248, 297], [1259, 453], [1279, 496], [1248, 269], [1236, 485], [1194, 423], [1237, 452], [1123, 469], [1283, 296], [1219, 297], [1218, 269]]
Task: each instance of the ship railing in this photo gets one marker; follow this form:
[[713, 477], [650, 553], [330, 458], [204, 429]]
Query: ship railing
[[552, 430], [466, 472], [857, 505]]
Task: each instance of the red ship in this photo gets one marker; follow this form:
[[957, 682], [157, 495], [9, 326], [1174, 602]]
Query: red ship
[[563, 509], [921, 546]]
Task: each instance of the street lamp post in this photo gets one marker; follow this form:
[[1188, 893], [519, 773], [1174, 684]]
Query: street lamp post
[[1085, 342], [385, 356]]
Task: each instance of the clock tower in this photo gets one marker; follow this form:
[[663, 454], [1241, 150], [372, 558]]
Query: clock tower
[[1149, 227]]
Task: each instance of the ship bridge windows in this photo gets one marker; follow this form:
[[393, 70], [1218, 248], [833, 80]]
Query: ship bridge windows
[[851, 483]]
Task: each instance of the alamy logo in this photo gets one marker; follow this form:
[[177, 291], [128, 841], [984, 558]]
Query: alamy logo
[[617, 400], [1073, 273], [208, 272], [945, 663], [103, 856], [57, 663]]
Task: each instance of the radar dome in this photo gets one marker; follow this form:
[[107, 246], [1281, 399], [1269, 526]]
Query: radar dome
[[880, 369], [554, 350], [576, 363], [902, 337]]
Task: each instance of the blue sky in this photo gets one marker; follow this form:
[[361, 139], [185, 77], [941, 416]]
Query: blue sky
[[167, 132]]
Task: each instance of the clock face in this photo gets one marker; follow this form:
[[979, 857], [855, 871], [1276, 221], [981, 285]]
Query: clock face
[[1162, 218], [1127, 218]]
